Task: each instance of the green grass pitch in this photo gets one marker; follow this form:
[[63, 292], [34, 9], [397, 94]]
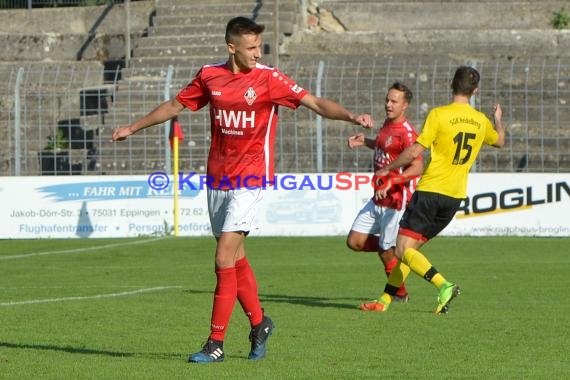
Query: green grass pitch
[[135, 309]]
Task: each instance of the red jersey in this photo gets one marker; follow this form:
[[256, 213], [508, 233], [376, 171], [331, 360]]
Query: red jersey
[[391, 140], [243, 119]]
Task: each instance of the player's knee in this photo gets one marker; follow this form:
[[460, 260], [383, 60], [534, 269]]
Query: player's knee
[[387, 255], [399, 252], [224, 260], [354, 244]]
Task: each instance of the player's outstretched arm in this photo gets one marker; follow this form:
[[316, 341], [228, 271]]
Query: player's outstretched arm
[[359, 140], [498, 114], [332, 110], [160, 114]]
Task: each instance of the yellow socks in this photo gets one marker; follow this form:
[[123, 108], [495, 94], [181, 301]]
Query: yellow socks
[[385, 298], [415, 261], [421, 266], [397, 277]]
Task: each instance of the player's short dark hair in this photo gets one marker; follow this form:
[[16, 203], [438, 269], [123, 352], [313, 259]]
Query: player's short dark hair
[[465, 81], [239, 26], [403, 88]]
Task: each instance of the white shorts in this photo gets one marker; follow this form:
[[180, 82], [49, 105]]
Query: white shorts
[[377, 220], [233, 210]]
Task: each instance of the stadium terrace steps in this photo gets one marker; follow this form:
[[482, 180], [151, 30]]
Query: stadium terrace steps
[[70, 33], [175, 39], [181, 62], [186, 30], [221, 13], [192, 30], [228, 8], [186, 42], [62, 46], [181, 50], [199, 40], [167, 43], [286, 19]]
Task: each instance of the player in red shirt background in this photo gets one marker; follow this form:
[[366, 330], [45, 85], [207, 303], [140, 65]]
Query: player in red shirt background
[[375, 228], [244, 96]]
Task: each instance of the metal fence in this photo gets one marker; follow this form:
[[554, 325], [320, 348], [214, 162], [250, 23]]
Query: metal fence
[[57, 119]]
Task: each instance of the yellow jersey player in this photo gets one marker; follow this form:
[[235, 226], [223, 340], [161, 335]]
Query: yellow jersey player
[[454, 133]]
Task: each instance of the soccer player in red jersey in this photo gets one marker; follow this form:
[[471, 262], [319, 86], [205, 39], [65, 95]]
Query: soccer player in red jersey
[[243, 96], [375, 228]]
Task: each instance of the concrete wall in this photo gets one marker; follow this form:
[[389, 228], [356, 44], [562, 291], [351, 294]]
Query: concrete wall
[[62, 33], [443, 14], [74, 20], [449, 29]]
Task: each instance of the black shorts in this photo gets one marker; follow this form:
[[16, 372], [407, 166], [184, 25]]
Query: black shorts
[[428, 214]]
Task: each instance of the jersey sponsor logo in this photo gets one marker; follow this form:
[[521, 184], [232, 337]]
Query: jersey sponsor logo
[[232, 132], [514, 199], [234, 119], [382, 158], [296, 89], [250, 96], [465, 120], [216, 93]]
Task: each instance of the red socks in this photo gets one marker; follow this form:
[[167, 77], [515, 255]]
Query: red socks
[[247, 292], [224, 301], [232, 283]]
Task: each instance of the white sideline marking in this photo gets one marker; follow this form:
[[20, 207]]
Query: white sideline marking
[[65, 287], [96, 296], [77, 250]]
